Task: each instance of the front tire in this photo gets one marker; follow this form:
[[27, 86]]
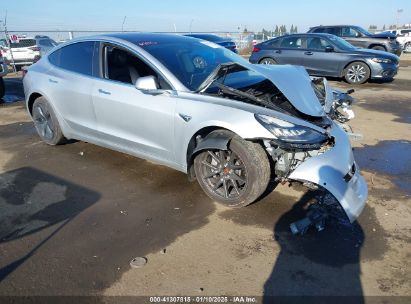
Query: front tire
[[357, 73], [46, 122], [236, 177], [268, 61]]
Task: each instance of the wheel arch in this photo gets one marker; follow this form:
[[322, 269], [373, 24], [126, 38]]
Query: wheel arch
[[377, 44], [206, 138], [30, 102]]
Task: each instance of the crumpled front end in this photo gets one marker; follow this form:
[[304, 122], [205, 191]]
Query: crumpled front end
[[336, 171]]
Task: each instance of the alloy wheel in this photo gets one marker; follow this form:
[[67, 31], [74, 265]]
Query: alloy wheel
[[224, 173], [356, 73], [43, 122]]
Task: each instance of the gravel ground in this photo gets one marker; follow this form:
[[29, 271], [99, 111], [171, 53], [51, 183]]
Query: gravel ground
[[73, 217]]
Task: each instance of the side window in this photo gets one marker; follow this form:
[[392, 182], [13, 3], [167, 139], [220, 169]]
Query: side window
[[315, 43], [291, 42], [273, 43], [348, 32], [77, 57], [319, 30], [121, 65], [331, 30]]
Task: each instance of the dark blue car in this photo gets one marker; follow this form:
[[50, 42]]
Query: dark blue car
[[225, 42], [327, 55]]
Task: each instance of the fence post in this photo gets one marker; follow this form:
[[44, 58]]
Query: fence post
[[71, 36]]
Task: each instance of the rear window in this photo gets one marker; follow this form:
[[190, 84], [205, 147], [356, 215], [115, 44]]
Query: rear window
[[77, 57], [23, 43]]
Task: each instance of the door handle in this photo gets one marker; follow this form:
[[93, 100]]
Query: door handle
[[104, 92], [53, 81], [278, 51], [308, 53]]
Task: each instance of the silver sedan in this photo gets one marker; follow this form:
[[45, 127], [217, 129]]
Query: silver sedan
[[196, 107]]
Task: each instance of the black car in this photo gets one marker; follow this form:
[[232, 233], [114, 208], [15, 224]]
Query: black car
[[359, 37], [327, 55], [225, 42]]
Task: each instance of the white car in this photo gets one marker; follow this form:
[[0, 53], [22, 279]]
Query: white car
[[27, 50], [403, 37]]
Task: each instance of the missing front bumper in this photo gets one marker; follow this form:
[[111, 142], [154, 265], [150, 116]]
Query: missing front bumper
[[336, 171]]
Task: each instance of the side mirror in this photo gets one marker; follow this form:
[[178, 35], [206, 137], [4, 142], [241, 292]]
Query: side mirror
[[329, 49], [358, 35], [147, 83]]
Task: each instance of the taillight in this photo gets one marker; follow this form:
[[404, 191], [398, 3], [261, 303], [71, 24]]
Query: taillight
[[35, 48], [256, 49]]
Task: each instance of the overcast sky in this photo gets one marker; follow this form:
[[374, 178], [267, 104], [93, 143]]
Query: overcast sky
[[204, 15]]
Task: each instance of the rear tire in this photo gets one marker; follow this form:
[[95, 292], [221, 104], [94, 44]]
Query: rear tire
[[378, 48], [2, 88], [407, 47], [236, 177], [357, 73], [267, 61], [46, 122]]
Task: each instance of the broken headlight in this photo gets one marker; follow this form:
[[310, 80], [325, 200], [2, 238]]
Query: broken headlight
[[295, 135]]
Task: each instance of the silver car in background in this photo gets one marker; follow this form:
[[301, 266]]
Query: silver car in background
[[196, 107]]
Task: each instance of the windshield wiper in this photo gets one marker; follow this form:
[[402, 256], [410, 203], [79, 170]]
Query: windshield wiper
[[234, 92]]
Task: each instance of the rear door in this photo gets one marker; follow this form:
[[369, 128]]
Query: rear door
[[290, 50], [319, 62], [69, 85]]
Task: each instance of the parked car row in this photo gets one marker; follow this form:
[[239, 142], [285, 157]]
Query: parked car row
[[357, 55]]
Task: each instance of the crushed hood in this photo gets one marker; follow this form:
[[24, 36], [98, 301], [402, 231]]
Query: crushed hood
[[295, 83]]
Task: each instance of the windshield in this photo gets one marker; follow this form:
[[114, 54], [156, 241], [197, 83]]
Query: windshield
[[362, 31], [191, 60], [341, 43]]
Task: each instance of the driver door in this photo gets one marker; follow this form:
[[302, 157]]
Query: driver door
[[128, 119]]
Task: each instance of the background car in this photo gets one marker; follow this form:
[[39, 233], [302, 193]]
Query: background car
[[27, 50], [327, 55], [359, 37], [3, 72], [225, 42], [403, 37]]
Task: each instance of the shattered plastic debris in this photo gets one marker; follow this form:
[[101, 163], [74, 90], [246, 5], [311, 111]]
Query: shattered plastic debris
[[138, 262]]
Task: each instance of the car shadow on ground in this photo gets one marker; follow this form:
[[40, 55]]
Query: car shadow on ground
[[315, 265], [32, 200], [125, 207]]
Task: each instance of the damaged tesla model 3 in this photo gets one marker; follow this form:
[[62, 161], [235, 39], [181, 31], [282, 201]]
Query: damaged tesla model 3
[[196, 107]]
